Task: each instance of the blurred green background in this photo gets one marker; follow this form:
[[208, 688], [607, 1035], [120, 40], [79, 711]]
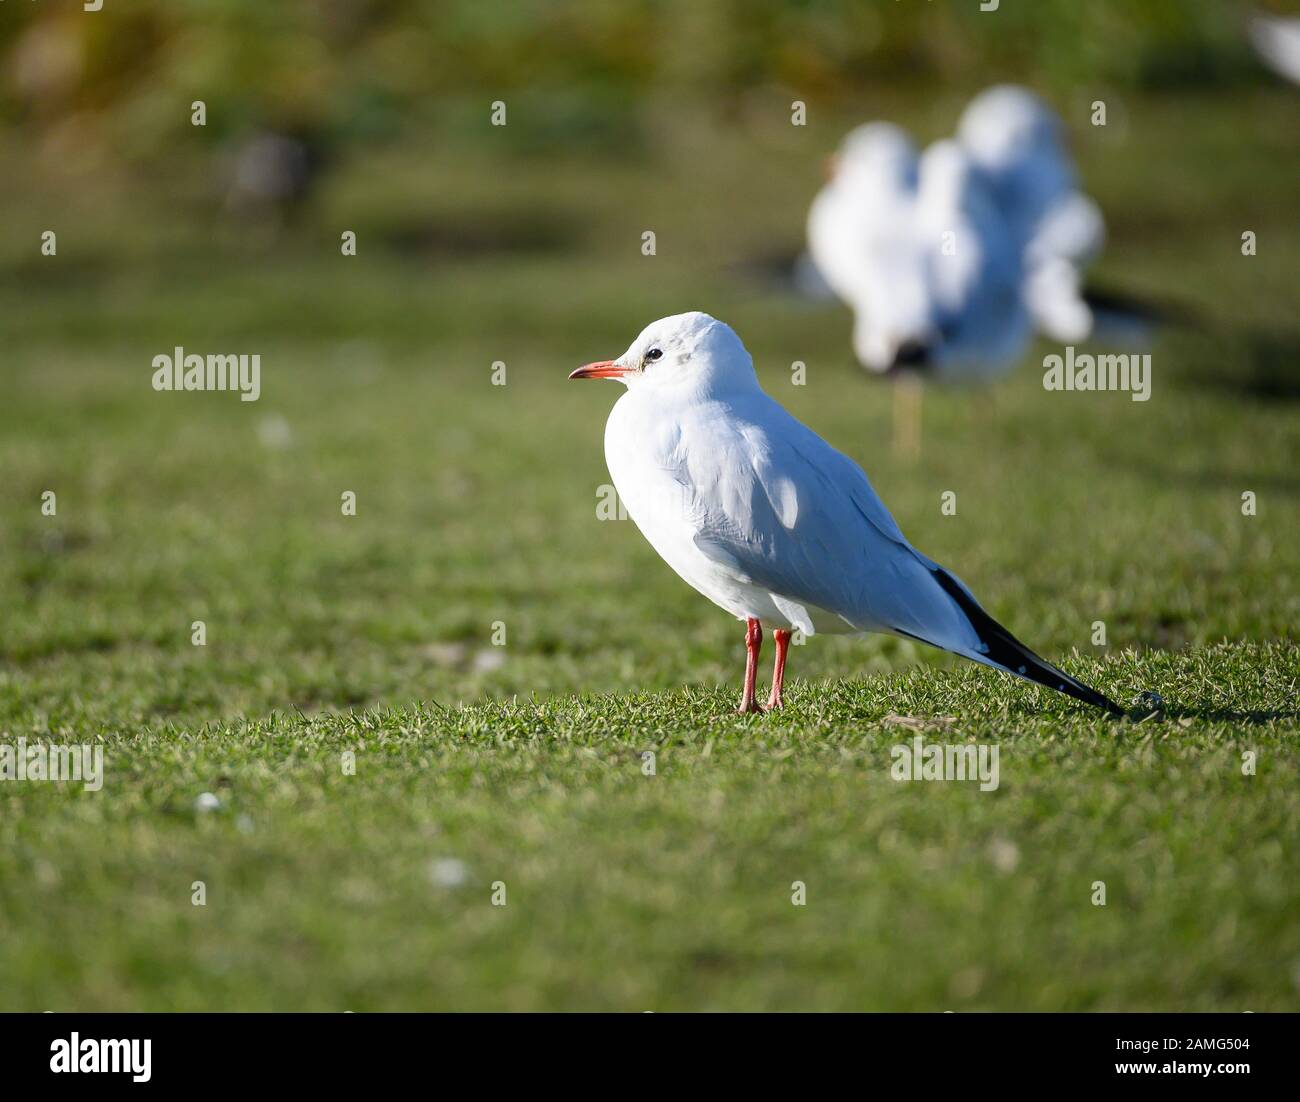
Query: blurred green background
[[369, 70], [477, 504]]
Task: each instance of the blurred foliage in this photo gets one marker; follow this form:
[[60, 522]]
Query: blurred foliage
[[120, 81]]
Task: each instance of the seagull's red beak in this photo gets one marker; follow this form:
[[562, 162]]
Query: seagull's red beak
[[604, 369]]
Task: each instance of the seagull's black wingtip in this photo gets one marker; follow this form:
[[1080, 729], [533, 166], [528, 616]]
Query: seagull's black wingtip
[[1005, 650]]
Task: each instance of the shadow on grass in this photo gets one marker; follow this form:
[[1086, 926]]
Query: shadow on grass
[[1157, 472], [1226, 715], [1260, 363]]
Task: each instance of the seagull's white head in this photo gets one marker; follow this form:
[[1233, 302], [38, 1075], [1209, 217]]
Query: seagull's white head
[[876, 154], [1019, 144], [1008, 123], [684, 354]]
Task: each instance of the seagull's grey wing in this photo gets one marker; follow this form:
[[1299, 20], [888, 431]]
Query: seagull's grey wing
[[778, 507], [784, 510], [975, 290]]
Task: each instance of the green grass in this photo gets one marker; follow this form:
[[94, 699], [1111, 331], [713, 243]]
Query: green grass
[[477, 504]]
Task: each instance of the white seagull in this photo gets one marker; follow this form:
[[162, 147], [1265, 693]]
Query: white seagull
[[914, 244], [1277, 41], [762, 516], [1017, 144], [952, 257]]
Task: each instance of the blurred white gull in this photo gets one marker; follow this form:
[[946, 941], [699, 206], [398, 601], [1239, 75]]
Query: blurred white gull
[[951, 258], [1018, 145], [877, 234], [1277, 41]]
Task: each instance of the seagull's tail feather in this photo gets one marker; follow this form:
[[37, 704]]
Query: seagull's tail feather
[[1008, 653]]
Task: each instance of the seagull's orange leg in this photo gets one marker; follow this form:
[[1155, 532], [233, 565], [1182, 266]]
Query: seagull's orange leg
[[781, 638], [753, 641]]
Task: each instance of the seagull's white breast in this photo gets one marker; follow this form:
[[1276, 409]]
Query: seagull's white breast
[[645, 461], [667, 489]]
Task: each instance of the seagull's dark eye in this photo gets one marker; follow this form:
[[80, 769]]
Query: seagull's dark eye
[[654, 354]]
